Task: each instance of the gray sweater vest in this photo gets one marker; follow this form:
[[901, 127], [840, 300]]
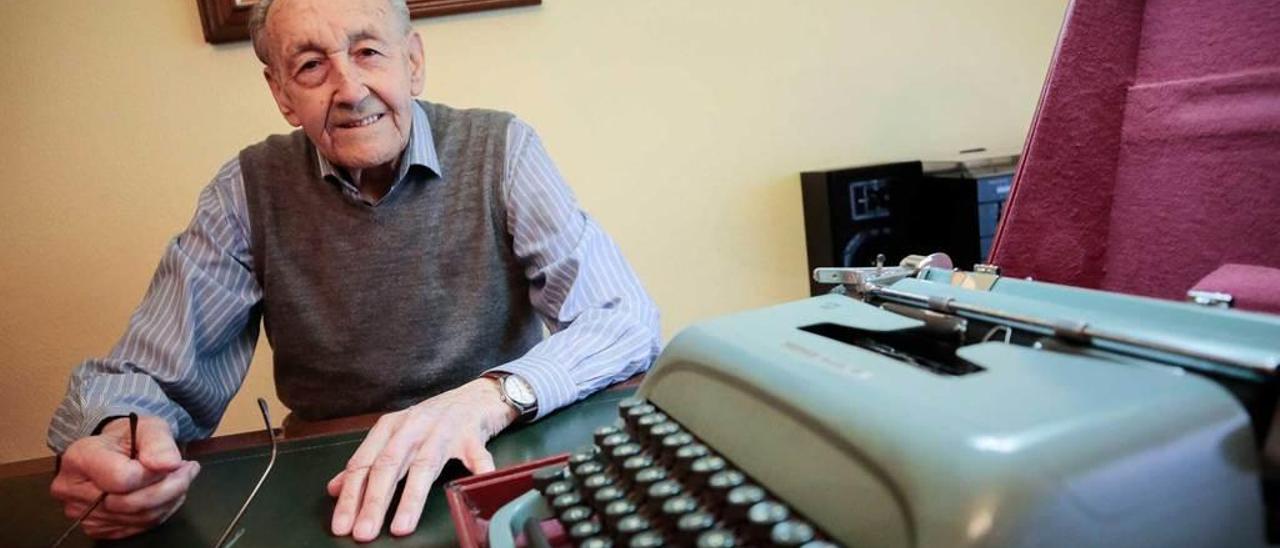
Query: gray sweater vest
[[374, 308]]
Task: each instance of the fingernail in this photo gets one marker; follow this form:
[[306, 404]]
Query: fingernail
[[341, 524]]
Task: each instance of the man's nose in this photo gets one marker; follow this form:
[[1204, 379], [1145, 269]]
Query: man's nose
[[348, 82]]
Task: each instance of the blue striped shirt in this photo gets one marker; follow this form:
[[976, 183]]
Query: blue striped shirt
[[188, 345]]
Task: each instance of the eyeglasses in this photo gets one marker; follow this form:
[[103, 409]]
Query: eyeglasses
[[223, 541], [266, 419]]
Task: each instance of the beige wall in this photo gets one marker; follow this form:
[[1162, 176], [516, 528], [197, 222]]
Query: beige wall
[[682, 125]]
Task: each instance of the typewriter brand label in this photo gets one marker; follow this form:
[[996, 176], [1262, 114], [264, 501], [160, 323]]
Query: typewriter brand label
[[830, 362]]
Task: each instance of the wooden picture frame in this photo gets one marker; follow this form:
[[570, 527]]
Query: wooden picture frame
[[228, 20]]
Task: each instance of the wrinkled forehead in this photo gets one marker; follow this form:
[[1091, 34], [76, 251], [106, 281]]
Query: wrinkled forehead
[[294, 26]]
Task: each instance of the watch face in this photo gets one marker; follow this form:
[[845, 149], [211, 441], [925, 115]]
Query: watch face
[[518, 390]]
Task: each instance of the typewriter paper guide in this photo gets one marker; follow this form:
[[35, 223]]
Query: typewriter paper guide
[[1040, 448]]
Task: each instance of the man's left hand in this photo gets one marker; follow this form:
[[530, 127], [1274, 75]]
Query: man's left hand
[[416, 442]]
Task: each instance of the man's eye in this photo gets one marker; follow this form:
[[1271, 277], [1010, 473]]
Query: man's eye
[[368, 52], [308, 66]]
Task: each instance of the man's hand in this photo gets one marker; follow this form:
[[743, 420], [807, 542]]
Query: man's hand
[[416, 442], [143, 492]]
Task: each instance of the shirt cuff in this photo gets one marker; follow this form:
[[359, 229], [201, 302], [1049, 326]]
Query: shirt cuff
[[551, 384], [92, 418]]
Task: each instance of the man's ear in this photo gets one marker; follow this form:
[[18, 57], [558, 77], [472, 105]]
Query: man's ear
[[282, 99], [417, 67]]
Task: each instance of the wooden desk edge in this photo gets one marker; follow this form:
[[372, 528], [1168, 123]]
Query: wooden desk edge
[[298, 430]]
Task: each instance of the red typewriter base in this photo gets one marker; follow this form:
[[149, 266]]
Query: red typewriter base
[[473, 500]]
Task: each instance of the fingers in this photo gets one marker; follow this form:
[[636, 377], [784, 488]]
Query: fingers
[[156, 448], [388, 468], [101, 462], [334, 487], [157, 496], [144, 508], [422, 473], [353, 477], [476, 458]]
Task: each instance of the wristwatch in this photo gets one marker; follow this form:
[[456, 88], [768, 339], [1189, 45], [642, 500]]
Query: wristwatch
[[517, 392]]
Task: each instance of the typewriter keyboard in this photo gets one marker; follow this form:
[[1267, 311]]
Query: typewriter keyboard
[[648, 482]]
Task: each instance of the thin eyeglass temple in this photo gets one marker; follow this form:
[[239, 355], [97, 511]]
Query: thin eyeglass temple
[[266, 419], [133, 455]]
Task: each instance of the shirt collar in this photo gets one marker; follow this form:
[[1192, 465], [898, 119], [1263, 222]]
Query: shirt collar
[[421, 150]]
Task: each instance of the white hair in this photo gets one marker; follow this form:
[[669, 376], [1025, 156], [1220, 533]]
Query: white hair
[[258, 25]]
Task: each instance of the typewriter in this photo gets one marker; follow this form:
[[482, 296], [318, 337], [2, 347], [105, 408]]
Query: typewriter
[[919, 405]]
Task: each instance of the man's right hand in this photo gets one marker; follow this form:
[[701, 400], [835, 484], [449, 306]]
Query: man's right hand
[[143, 492]]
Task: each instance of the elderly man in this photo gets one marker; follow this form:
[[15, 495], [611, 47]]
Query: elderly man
[[400, 254]]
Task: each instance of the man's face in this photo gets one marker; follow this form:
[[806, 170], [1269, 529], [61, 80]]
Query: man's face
[[346, 73]]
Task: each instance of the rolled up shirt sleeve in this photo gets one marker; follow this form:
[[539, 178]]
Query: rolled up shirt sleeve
[[603, 325], [189, 343]]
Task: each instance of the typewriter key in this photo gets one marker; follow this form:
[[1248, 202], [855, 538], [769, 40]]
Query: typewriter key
[[627, 403], [557, 488], [585, 454], [594, 482], [658, 432], [623, 452], [614, 440], [596, 542], [584, 530], [701, 470], [792, 532], [645, 422], [717, 538], [761, 518], [543, 477], [685, 456], [648, 539], [658, 493], [820, 544], [604, 431], [719, 485], [606, 495], [635, 464], [630, 526], [635, 412], [571, 516], [739, 500], [675, 507], [586, 469], [617, 510], [566, 500], [673, 443], [644, 479], [691, 526]]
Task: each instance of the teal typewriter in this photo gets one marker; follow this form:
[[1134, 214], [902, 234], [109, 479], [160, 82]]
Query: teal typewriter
[[918, 405]]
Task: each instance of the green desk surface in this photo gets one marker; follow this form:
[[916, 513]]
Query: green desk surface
[[292, 509]]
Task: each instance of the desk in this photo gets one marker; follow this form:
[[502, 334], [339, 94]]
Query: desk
[[293, 508]]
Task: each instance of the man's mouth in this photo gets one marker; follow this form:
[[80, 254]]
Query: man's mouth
[[368, 120]]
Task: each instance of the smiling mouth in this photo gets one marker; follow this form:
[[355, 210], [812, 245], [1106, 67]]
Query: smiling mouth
[[369, 120]]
